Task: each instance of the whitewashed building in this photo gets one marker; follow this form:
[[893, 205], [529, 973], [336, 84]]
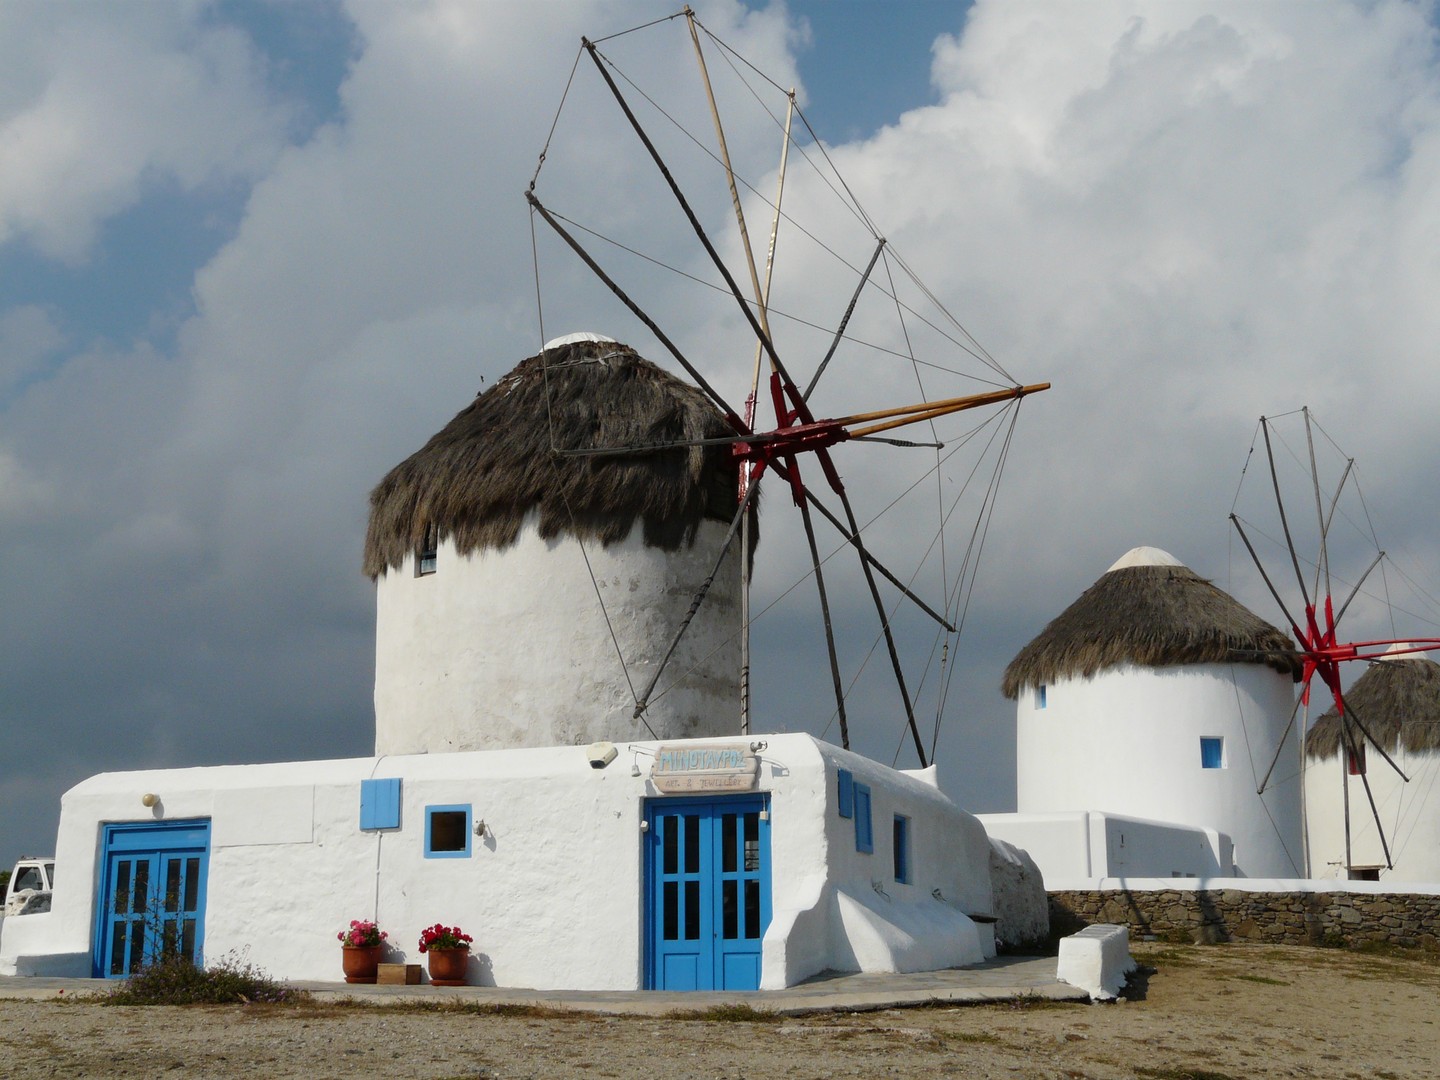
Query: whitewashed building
[[1146, 715], [522, 593], [1398, 701]]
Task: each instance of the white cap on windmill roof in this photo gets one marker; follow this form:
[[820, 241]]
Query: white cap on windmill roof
[[1145, 556], [571, 339], [1402, 650]]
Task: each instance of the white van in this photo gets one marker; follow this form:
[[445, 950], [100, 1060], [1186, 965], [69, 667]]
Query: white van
[[30, 884]]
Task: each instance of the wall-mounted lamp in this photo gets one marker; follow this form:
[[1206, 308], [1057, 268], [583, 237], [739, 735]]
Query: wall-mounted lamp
[[149, 799], [764, 815], [759, 745], [635, 752], [600, 754], [480, 827]]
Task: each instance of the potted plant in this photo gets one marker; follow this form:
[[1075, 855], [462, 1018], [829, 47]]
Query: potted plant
[[447, 953], [361, 955]]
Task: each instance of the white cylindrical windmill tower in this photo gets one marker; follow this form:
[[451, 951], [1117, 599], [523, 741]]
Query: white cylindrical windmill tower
[[1157, 695], [525, 593], [1397, 699]]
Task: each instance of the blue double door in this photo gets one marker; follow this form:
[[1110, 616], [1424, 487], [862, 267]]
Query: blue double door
[[707, 864], [151, 900]]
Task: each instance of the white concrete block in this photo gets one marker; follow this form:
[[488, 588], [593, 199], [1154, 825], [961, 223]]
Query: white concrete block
[[1097, 959]]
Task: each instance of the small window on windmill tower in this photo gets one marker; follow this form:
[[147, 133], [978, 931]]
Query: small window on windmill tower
[[429, 548], [1355, 760], [1040, 696], [1212, 751]]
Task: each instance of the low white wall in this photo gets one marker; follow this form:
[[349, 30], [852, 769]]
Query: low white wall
[[552, 894], [1087, 844], [1252, 885]]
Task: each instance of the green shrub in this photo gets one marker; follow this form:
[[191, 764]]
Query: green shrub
[[176, 981]]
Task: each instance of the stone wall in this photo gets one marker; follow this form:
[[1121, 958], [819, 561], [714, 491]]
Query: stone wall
[[1292, 918]]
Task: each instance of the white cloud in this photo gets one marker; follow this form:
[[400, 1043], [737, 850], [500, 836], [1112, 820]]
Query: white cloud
[[1182, 214], [104, 101]]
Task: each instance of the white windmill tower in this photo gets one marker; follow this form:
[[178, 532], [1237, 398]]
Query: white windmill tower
[[520, 591], [1156, 695]]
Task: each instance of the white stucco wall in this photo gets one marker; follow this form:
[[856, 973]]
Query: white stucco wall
[[1410, 814], [1127, 742], [512, 648], [1086, 844], [552, 894]]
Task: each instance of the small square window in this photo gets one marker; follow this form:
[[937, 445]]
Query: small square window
[[1040, 697], [447, 832], [846, 798], [1212, 752], [902, 849]]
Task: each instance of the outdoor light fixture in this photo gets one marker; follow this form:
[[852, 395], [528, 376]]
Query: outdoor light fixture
[[480, 827], [149, 799], [600, 754], [635, 752]]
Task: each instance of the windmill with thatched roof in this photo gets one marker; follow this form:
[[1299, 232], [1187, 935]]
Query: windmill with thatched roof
[[1154, 695], [521, 589], [1398, 698]]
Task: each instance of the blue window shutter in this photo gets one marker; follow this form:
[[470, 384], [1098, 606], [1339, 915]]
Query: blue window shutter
[[380, 803], [864, 834], [847, 791]]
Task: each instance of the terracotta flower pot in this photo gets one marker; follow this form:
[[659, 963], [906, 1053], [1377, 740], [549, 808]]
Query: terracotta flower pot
[[361, 962], [447, 966]]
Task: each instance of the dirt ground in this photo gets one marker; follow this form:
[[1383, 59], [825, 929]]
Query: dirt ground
[[1220, 1012]]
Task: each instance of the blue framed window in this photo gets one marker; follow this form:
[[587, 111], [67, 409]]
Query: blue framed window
[[380, 803], [847, 792], [864, 833], [1040, 696], [447, 832], [1212, 752], [902, 849]]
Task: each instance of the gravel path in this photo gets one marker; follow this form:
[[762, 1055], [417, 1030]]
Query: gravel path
[[1203, 1012]]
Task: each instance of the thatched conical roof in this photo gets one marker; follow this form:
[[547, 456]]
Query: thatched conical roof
[[1149, 610], [1398, 701], [477, 479]]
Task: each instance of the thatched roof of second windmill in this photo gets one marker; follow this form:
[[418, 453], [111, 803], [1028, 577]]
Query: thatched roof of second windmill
[[479, 477], [1148, 610], [1398, 701]]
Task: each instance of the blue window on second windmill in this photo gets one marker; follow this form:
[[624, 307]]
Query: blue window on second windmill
[[1212, 752], [846, 794]]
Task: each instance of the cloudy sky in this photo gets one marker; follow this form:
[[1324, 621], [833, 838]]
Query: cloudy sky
[[254, 253]]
